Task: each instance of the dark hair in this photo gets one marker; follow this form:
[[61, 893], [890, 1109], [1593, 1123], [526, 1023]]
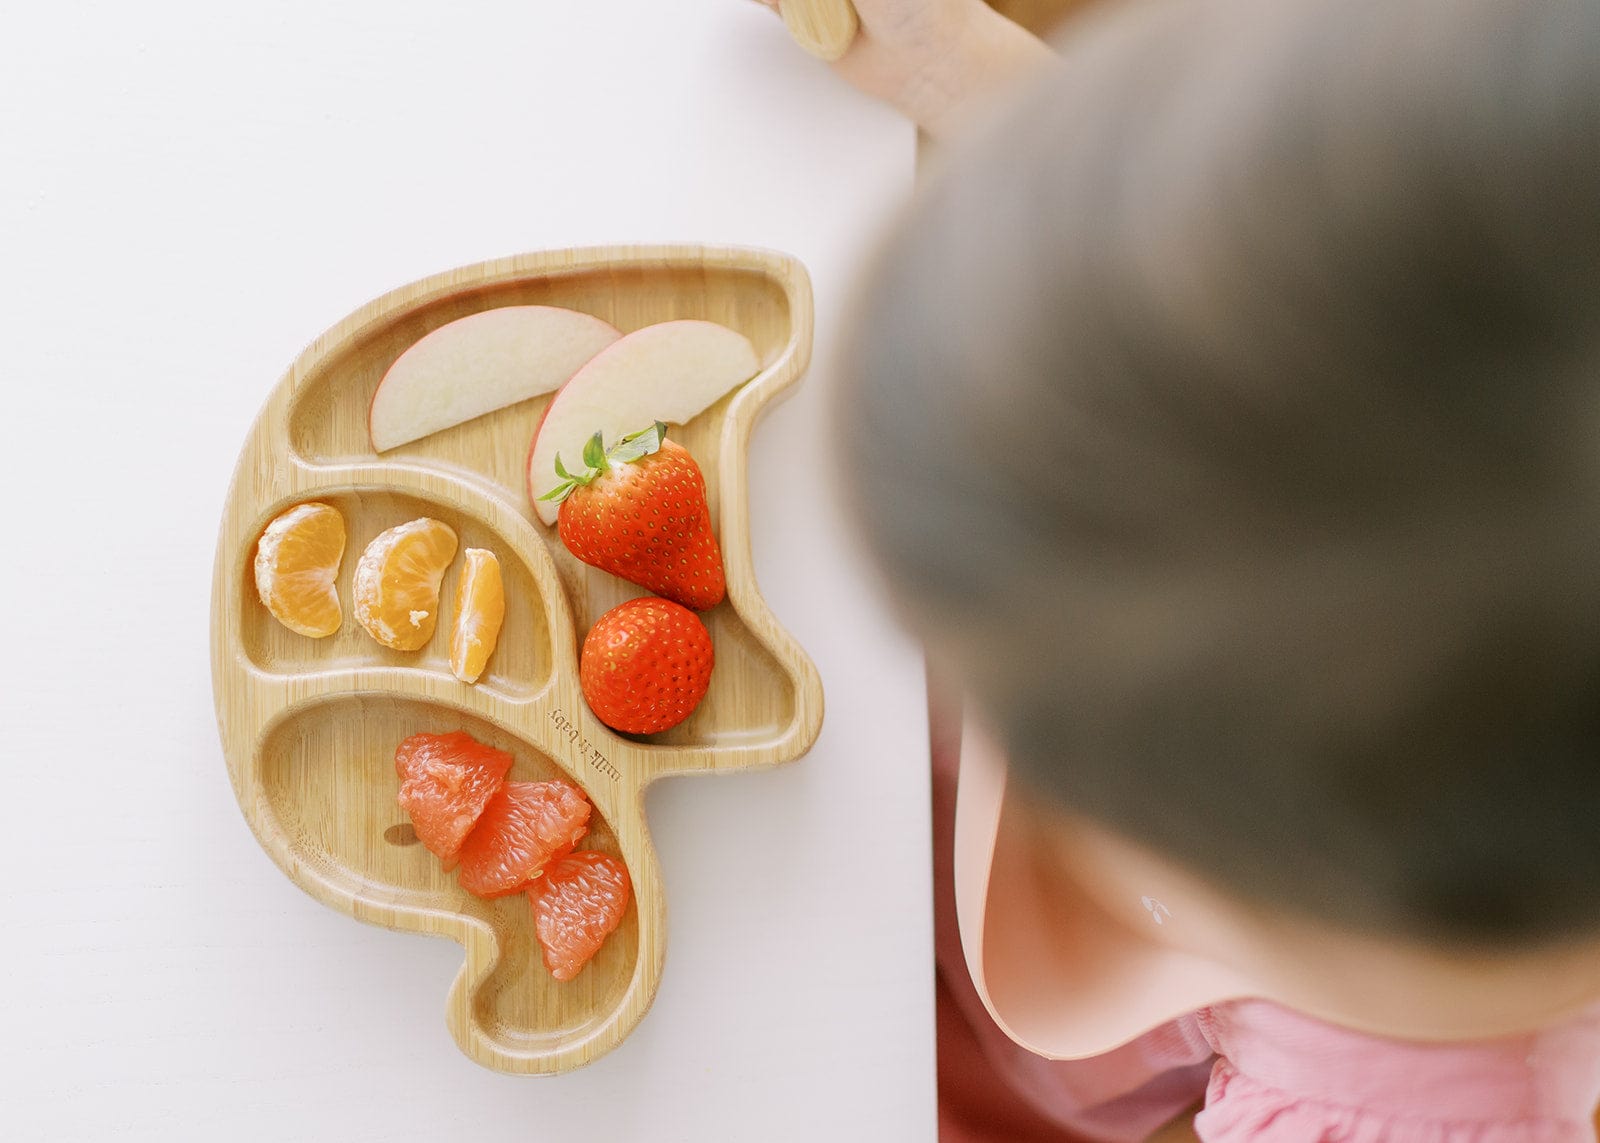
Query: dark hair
[[1226, 416]]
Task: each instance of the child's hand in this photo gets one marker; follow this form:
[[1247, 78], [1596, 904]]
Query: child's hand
[[934, 59]]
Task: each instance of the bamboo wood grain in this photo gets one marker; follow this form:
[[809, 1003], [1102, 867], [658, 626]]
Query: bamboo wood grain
[[825, 28], [309, 726]]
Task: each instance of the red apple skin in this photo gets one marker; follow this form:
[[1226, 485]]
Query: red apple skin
[[533, 442]]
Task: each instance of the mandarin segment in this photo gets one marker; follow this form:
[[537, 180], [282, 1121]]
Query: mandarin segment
[[297, 568], [480, 610], [577, 904], [397, 582]]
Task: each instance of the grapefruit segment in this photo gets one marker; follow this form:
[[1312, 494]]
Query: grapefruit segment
[[524, 826], [445, 782], [577, 904]]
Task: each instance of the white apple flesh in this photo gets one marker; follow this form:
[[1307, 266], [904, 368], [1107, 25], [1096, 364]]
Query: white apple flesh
[[481, 363], [670, 372]]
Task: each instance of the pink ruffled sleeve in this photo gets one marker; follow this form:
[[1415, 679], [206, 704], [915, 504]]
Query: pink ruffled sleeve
[[1285, 1078]]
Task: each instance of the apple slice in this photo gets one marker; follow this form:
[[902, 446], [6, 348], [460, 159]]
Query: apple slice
[[665, 372], [481, 363]]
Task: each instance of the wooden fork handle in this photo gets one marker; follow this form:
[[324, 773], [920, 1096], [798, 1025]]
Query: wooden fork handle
[[825, 28]]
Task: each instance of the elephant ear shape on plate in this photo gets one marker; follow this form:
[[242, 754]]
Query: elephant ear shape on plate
[[309, 726]]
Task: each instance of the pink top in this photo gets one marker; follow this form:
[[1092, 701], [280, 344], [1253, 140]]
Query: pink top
[[1262, 1072]]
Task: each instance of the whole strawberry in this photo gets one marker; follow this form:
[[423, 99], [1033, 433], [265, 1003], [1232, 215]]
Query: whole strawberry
[[639, 511], [645, 665]]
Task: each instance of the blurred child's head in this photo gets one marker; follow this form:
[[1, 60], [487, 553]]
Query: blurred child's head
[[1227, 419]]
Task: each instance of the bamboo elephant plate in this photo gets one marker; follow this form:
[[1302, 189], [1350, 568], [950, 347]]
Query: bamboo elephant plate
[[309, 726]]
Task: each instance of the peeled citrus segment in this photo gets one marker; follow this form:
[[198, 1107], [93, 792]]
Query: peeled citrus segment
[[480, 610], [524, 827], [446, 780], [297, 566], [397, 582], [577, 904]]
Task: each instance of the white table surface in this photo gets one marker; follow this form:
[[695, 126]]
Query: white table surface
[[188, 195]]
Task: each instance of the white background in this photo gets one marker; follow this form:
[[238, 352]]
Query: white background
[[188, 195]]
